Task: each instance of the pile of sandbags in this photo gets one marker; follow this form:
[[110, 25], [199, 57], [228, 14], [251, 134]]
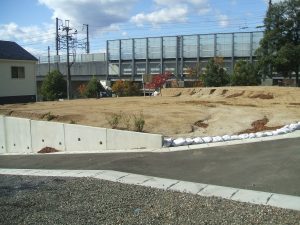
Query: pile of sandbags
[[170, 142]]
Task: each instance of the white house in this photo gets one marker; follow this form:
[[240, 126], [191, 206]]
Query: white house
[[17, 74]]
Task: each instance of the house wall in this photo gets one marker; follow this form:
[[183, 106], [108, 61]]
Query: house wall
[[14, 88]]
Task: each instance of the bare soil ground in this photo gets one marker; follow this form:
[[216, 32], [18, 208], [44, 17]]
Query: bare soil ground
[[184, 112]]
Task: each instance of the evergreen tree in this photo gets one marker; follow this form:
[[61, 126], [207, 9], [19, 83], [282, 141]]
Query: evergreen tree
[[54, 86], [215, 74], [245, 74], [279, 49], [93, 88]]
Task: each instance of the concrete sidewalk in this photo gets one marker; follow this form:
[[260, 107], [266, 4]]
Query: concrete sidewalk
[[206, 190]]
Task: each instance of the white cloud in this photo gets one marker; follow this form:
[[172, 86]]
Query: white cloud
[[100, 13], [27, 34], [223, 20], [177, 13]]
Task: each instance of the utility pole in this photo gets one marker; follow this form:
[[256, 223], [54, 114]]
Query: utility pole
[[87, 39], [49, 59], [66, 39]]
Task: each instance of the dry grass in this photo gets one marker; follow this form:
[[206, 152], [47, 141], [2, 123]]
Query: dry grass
[[174, 116]]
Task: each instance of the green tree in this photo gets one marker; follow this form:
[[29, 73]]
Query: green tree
[[54, 86], [245, 74], [279, 48], [93, 88], [215, 74]]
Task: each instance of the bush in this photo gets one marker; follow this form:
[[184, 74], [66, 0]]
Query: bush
[[126, 88], [215, 74], [114, 120], [93, 88], [124, 121], [54, 86], [139, 122], [245, 74]]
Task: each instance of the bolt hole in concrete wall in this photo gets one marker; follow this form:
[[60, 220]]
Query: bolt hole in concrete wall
[[43, 140], [79, 139], [100, 142]]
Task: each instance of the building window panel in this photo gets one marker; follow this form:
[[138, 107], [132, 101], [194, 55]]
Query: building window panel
[[154, 48], [224, 45], [207, 43], [113, 50], [169, 47], [140, 48], [17, 72], [242, 44], [126, 49], [190, 46]]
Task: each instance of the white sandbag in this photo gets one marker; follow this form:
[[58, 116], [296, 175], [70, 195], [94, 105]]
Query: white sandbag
[[252, 135], [168, 142], [189, 141], [179, 142], [275, 132], [198, 140], [259, 134], [268, 133], [244, 136], [293, 126], [226, 137], [235, 137], [217, 139], [207, 139]]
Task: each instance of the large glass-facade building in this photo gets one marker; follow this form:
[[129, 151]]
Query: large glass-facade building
[[131, 58]]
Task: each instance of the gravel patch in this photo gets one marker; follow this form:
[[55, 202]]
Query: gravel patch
[[53, 200]]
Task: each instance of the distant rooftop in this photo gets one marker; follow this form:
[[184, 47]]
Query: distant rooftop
[[11, 50]]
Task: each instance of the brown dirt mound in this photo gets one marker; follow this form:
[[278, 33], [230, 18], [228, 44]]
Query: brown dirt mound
[[236, 95], [259, 125], [224, 92], [263, 96], [48, 150], [200, 123]]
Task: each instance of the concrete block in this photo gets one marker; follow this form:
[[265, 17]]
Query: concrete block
[[285, 201], [134, 179], [160, 183], [188, 187], [47, 134], [218, 191], [111, 175], [2, 135], [255, 197], [18, 135], [84, 138], [119, 139]]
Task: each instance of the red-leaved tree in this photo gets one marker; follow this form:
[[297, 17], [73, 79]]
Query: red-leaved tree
[[158, 81]]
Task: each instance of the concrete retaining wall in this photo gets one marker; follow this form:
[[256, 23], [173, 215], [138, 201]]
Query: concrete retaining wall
[[2, 136], [18, 135]]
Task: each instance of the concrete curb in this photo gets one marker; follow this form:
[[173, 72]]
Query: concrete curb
[[206, 190]]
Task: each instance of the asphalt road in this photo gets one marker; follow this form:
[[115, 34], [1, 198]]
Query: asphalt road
[[272, 166]]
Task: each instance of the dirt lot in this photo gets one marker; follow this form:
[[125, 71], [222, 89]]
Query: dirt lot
[[185, 112]]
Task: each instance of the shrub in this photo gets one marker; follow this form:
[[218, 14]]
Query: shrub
[[93, 88], [126, 88], [114, 120], [54, 86], [139, 122]]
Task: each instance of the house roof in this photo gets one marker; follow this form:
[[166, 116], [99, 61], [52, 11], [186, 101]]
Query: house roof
[[11, 50]]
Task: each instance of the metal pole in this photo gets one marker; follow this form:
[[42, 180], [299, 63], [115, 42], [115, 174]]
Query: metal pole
[[49, 59], [68, 65]]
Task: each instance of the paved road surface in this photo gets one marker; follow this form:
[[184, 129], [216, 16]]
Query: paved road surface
[[272, 166]]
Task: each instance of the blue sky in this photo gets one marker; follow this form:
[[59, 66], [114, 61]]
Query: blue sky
[[31, 23]]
